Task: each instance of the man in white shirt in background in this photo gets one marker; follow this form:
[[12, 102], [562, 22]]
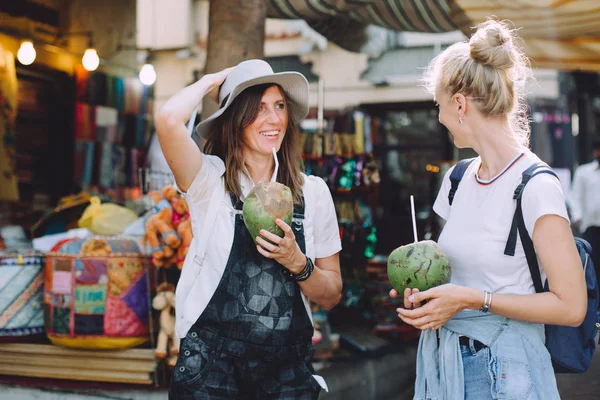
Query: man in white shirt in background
[[585, 203]]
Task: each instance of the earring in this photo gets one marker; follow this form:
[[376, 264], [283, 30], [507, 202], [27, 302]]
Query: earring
[[460, 120]]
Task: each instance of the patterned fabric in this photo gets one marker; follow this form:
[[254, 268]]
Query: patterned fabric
[[21, 295], [97, 288], [81, 83], [219, 368], [254, 301], [254, 337], [85, 121], [84, 162], [103, 246]]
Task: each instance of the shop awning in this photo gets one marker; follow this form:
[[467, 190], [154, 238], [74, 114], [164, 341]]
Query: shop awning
[[560, 34], [399, 15]]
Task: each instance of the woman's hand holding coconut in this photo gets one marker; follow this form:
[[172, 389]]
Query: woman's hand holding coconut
[[284, 250], [407, 292], [434, 307]]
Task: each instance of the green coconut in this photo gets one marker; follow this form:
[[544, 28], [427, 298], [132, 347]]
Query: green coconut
[[421, 265], [267, 202]]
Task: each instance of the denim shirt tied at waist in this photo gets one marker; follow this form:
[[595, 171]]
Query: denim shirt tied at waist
[[516, 346]]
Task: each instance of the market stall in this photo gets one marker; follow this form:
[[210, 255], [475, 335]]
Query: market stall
[[75, 292]]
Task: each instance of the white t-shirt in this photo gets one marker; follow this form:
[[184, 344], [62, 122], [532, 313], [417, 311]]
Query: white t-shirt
[[479, 221], [199, 280]]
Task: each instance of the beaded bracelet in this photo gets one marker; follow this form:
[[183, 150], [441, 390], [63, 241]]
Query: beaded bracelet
[[306, 272], [302, 275]]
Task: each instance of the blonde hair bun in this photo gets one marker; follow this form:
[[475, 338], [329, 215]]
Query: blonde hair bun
[[492, 45], [490, 69]]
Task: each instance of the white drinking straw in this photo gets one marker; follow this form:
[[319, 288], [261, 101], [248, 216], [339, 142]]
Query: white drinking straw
[[414, 220], [276, 162]]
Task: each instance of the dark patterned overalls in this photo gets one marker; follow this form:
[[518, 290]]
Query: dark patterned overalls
[[253, 340]]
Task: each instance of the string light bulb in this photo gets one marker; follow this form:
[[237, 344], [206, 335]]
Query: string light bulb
[[147, 74], [90, 59], [26, 54]]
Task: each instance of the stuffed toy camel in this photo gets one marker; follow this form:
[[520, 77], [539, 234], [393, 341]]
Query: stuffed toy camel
[[164, 301]]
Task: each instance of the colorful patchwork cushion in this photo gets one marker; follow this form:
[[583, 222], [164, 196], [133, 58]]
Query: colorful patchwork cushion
[[96, 293], [21, 294]]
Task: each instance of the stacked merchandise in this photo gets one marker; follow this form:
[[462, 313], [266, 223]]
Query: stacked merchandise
[[343, 156], [83, 292], [381, 307], [112, 127]]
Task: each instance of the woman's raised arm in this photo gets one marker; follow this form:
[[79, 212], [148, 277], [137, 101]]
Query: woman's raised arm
[[180, 150]]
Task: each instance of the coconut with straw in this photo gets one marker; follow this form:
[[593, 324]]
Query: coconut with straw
[[419, 265], [267, 202]]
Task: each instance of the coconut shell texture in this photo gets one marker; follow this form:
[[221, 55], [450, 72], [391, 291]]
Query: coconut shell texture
[[420, 265], [265, 203]]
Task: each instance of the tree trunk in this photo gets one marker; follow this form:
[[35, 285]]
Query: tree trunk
[[236, 33]]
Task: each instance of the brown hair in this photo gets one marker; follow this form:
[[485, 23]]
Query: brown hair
[[226, 142], [491, 70]]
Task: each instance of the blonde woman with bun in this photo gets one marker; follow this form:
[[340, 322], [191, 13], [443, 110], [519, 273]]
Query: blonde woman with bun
[[483, 333]]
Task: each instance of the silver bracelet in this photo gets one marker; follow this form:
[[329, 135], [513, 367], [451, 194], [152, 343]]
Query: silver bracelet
[[487, 302]]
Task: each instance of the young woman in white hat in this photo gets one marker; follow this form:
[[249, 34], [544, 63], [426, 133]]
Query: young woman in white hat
[[242, 309]]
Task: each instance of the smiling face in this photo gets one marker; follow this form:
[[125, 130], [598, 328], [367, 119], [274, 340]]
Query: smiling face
[[269, 127]]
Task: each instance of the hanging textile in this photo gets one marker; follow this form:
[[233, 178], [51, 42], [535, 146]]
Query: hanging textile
[[82, 77], [9, 189]]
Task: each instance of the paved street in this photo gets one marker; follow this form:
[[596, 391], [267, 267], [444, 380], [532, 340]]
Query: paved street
[[572, 387], [581, 386]]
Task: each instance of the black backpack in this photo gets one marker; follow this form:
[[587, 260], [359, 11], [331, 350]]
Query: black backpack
[[571, 348]]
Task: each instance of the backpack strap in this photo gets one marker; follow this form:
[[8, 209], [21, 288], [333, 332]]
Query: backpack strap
[[457, 173], [518, 225]]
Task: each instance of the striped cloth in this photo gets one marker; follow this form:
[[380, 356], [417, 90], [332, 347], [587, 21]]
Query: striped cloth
[[399, 15], [562, 34]]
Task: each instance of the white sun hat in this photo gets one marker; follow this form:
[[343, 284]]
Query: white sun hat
[[258, 72]]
